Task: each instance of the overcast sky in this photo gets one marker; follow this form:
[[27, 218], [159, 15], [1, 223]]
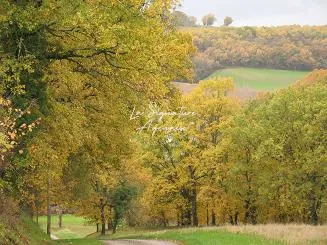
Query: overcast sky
[[260, 12]]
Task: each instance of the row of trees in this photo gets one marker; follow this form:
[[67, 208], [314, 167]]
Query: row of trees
[[210, 19], [182, 19], [81, 66], [285, 47], [262, 162]]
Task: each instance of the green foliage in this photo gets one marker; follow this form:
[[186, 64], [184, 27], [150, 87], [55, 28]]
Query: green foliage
[[279, 150], [120, 199]]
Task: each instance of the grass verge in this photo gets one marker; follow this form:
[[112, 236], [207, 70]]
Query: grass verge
[[197, 236]]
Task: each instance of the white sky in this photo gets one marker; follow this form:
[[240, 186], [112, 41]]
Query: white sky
[[260, 12]]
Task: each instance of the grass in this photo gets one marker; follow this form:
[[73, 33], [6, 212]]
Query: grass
[[26, 231], [72, 226], [272, 234], [290, 233], [199, 236], [260, 79], [78, 242]]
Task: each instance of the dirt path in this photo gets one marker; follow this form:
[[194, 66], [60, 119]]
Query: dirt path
[[137, 242], [53, 237]]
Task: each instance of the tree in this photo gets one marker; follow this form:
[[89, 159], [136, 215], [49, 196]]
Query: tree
[[278, 136], [120, 199], [209, 19], [180, 161], [227, 21], [214, 110], [291, 148]]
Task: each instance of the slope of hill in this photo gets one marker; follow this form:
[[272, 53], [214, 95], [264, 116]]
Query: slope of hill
[[282, 47], [260, 79], [23, 231], [249, 81]]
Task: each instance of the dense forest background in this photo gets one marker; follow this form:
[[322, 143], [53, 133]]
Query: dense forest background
[[285, 47]]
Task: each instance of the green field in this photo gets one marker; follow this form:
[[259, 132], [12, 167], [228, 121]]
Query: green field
[[198, 236], [72, 227], [260, 79]]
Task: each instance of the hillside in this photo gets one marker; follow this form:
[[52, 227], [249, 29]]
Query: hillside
[[23, 231], [283, 47], [260, 79], [249, 81]]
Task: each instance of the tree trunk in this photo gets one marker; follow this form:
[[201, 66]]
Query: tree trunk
[[213, 217], [163, 219], [37, 215], [48, 208], [251, 213], [247, 212], [109, 225], [186, 217], [60, 217], [48, 216], [231, 220], [195, 221], [207, 215], [192, 198], [178, 218], [313, 213], [114, 223], [103, 221], [236, 218], [103, 228], [97, 227]]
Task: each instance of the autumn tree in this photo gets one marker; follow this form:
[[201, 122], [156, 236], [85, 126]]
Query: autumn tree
[[178, 160], [214, 109]]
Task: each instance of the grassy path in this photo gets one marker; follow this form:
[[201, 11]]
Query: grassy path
[[72, 227]]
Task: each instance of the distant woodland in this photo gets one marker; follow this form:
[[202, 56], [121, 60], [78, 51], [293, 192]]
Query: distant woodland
[[284, 47]]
